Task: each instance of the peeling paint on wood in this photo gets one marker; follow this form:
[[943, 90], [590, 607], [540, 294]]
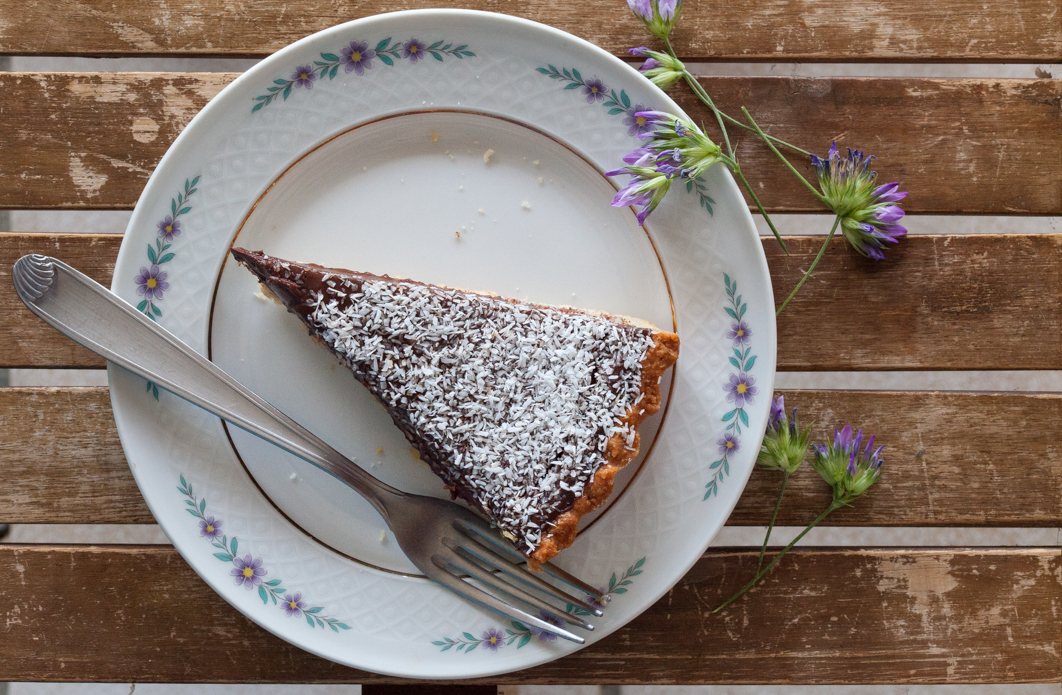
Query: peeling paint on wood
[[936, 296], [956, 144], [79, 474], [1008, 31], [823, 616]]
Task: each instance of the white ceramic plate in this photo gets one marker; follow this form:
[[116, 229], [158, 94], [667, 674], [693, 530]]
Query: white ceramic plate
[[477, 165]]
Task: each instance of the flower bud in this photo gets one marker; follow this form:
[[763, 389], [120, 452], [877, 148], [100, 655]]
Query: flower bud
[[784, 446]]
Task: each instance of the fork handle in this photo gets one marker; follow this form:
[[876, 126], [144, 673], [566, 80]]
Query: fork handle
[[90, 314]]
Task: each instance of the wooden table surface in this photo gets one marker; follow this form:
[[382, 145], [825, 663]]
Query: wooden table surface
[[985, 146]]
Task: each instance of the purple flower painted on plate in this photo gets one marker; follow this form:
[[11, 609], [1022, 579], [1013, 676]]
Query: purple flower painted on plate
[[304, 76], [414, 50], [594, 90], [739, 332], [293, 605], [151, 282], [210, 527], [546, 635], [598, 602], [728, 445], [169, 228], [357, 57], [248, 572], [740, 389], [637, 124], [492, 639]]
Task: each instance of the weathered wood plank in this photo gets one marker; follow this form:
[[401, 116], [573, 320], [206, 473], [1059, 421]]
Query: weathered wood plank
[[77, 472], [972, 146], [823, 616], [797, 30], [922, 309], [25, 340], [951, 143]]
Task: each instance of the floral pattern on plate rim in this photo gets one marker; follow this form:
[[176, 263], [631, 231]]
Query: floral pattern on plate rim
[[151, 281], [494, 638], [248, 571], [740, 386], [357, 57], [620, 104]]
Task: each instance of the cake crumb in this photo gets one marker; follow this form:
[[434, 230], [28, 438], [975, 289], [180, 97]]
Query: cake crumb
[[434, 136], [261, 297], [451, 158], [379, 450], [540, 181], [457, 234], [482, 212], [534, 163], [475, 142], [293, 477], [460, 188], [487, 155], [525, 205]]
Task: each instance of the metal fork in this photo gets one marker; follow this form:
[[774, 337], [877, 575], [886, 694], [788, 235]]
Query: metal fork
[[446, 542]]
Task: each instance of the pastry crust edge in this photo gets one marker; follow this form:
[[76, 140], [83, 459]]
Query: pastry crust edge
[[659, 357]]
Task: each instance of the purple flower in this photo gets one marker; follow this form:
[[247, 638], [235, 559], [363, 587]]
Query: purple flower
[[169, 228], [659, 15], [728, 445], [492, 639], [293, 605], [248, 572], [638, 124], [868, 213], [739, 332], [642, 8], [740, 389], [784, 445], [546, 635], [668, 9], [414, 50], [304, 76], [777, 417], [151, 282], [647, 188], [357, 57], [594, 90], [848, 466], [210, 527]]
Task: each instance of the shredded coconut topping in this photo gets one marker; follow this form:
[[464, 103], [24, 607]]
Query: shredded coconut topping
[[519, 400]]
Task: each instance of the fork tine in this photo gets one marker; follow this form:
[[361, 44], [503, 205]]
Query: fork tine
[[466, 563], [482, 598], [549, 568], [487, 556]]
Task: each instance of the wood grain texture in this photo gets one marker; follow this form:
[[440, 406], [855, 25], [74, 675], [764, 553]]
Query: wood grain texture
[[778, 30], [934, 475], [128, 613], [971, 146], [920, 310], [964, 146], [25, 340]]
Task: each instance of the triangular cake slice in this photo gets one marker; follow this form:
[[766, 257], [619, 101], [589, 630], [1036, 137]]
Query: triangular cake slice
[[525, 411]]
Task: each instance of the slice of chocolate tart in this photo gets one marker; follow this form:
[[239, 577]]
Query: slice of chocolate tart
[[525, 411]]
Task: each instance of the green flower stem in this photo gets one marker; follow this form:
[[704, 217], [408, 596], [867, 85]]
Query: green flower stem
[[774, 149], [770, 527], [836, 504], [703, 95], [736, 168], [807, 273]]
